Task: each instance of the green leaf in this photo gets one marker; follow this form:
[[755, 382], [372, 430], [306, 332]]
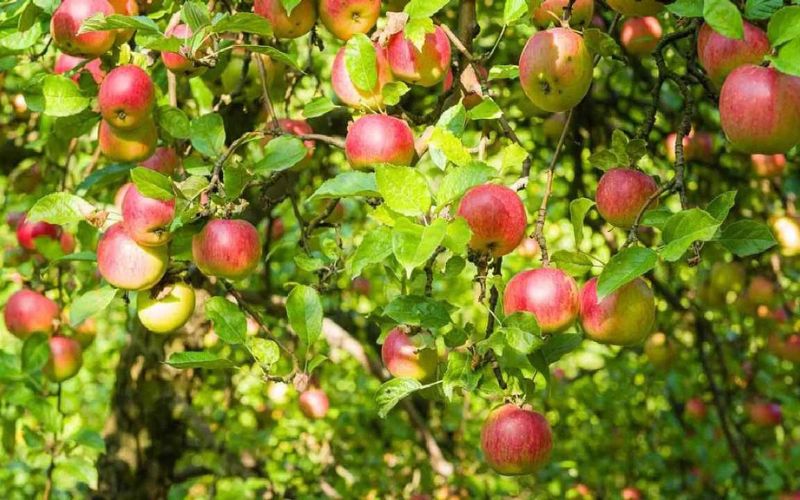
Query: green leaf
[[459, 373], [99, 22], [105, 176], [89, 438], [451, 146], [454, 119], [746, 237], [421, 9], [573, 263], [197, 359], [656, 217], [761, 9], [416, 30], [724, 17], [60, 208], [721, 205], [393, 91], [601, 43], [289, 5], [174, 121], [91, 303], [281, 153], [414, 244], [623, 268], [514, 156], [35, 352], [347, 184], [605, 159], [514, 10], [684, 228], [235, 179], [788, 58], [486, 110], [318, 107], [152, 184], [577, 213], [242, 22], [315, 362], [230, 323], [404, 189], [784, 26], [459, 179], [686, 8], [522, 341], [391, 392], [195, 184], [374, 248], [195, 15], [361, 62], [416, 310], [504, 72], [265, 351], [559, 345], [76, 469], [62, 96], [208, 134], [457, 237], [277, 55], [304, 309]]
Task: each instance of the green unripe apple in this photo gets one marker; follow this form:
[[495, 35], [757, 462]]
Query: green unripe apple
[[168, 310]]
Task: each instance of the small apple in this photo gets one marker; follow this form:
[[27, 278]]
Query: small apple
[[764, 414], [147, 220], [167, 310], [346, 18], [277, 231], [621, 195], [66, 22], [28, 232], [376, 139], [128, 145], [346, 90], [426, 66], [28, 312], [516, 440], [403, 357], [547, 12], [529, 248], [696, 409], [178, 63], [164, 160], [314, 403], [719, 55], [227, 249], [361, 285], [661, 350], [496, 216], [127, 265], [550, 294], [631, 493], [126, 97], [768, 165], [284, 25], [65, 359], [66, 62], [640, 35], [623, 318]]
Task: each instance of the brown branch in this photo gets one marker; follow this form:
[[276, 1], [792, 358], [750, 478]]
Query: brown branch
[[327, 139]]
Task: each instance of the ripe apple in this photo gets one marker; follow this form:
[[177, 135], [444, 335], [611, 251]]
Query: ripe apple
[[349, 94], [314, 403], [636, 8], [227, 249], [403, 357], [284, 25], [696, 409], [549, 294], [768, 165], [547, 12], [661, 350], [375, 139], [529, 248], [147, 220], [555, 69], [631, 493], [66, 62], [621, 195], [67, 20], [28, 312], [361, 285], [787, 232], [128, 145], [759, 110], [164, 160], [624, 318], [127, 265], [126, 97], [168, 310], [427, 66], [277, 231], [640, 35], [516, 440], [345, 18], [764, 414], [719, 55], [125, 8], [28, 232], [119, 197], [496, 216], [179, 63], [65, 358]]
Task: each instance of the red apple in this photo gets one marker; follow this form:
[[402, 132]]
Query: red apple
[[284, 25], [621, 195], [125, 8], [28, 312], [696, 409], [147, 220], [164, 160], [555, 69], [719, 55], [119, 197], [496, 216], [529, 248], [404, 358], [549, 294], [277, 231], [66, 22], [128, 145], [516, 440], [345, 18], [227, 249], [314, 403], [426, 66], [661, 350], [351, 95], [764, 414], [127, 265], [636, 8], [65, 359], [361, 285], [547, 12], [126, 97], [178, 63], [768, 165], [624, 318], [631, 493], [640, 35], [759, 110], [376, 139], [66, 62], [28, 232]]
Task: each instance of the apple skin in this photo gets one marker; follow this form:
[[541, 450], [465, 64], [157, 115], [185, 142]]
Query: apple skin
[[695, 409], [402, 358], [178, 63], [127, 265], [636, 8], [547, 12], [168, 313], [631, 493], [164, 161], [661, 350], [126, 97], [361, 285], [27, 232], [314, 403], [348, 93], [128, 145], [375, 139], [515, 440], [640, 35], [426, 67], [621, 194], [119, 197], [227, 249], [277, 231], [764, 414], [147, 220], [623, 318], [346, 18], [555, 69], [768, 165], [65, 359], [549, 294], [67, 20], [759, 110], [719, 55], [496, 216], [66, 62], [28, 312], [300, 22], [125, 8], [787, 232]]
